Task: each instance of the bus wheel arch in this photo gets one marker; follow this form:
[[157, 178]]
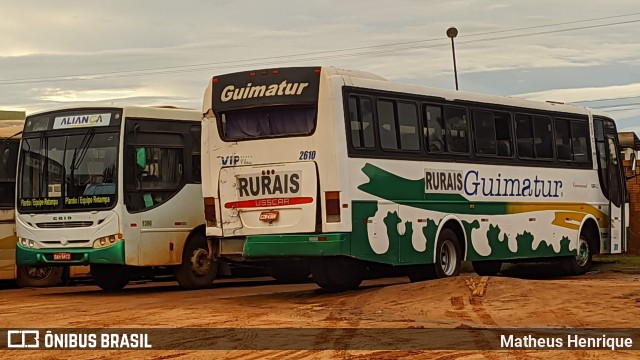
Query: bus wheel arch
[[198, 269], [450, 248]]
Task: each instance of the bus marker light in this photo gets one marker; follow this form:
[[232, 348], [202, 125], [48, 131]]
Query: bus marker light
[[317, 238], [134, 225]]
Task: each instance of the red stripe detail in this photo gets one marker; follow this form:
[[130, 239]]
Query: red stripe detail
[[270, 202]]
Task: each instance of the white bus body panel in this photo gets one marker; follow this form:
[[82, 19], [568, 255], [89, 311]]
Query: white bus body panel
[[163, 230]]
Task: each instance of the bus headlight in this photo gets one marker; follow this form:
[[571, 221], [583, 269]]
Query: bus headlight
[[27, 243], [106, 241]]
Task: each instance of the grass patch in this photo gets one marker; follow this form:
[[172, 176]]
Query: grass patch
[[624, 263]]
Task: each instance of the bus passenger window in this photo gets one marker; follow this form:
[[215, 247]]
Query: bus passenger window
[[524, 136], [387, 125], [408, 121], [360, 122], [543, 137], [563, 140], [158, 173], [433, 131], [502, 123], [580, 140], [456, 130], [485, 132]]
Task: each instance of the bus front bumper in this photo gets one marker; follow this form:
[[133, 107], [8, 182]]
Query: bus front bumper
[[260, 246], [113, 254]]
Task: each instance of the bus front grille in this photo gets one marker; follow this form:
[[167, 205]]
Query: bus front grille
[[64, 224]]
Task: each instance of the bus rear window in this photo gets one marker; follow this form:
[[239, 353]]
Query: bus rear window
[[267, 122]]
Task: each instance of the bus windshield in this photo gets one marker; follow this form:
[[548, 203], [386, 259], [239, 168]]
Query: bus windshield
[[265, 122], [77, 171]]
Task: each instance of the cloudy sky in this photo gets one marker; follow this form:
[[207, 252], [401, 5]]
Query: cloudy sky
[[157, 52]]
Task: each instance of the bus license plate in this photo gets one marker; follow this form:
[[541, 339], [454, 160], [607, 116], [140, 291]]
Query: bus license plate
[[61, 256]]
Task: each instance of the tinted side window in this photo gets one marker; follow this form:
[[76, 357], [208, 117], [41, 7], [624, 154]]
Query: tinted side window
[[484, 132], [524, 136], [534, 136], [456, 130], [196, 173], [434, 128], [580, 141], [408, 123], [387, 125], [563, 139], [8, 163], [361, 122], [543, 137]]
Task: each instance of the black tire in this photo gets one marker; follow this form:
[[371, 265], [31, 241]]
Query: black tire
[[581, 263], [337, 274], [289, 272], [197, 270], [417, 273], [40, 276], [110, 277], [487, 268], [448, 256]]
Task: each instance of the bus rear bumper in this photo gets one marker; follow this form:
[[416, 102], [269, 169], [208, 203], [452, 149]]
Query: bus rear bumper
[[332, 244], [79, 256]]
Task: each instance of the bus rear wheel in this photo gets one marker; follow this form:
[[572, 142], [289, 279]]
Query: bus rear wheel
[[110, 277], [581, 263], [448, 256], [487, 268], [39, 276], [337, 274], [198, 269]]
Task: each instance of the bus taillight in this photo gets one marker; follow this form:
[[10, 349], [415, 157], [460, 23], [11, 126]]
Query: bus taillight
[[210, 211], [332, 206]]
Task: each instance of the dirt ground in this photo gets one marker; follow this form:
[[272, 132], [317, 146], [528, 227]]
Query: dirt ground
[[603, 299]]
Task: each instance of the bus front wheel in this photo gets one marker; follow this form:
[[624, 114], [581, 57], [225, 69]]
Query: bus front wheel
[[337, 273], [44, 276], [581, 263], [198, 269], [110, 277], [448, 256]]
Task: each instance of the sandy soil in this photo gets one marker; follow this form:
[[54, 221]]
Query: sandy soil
[[597, 301]]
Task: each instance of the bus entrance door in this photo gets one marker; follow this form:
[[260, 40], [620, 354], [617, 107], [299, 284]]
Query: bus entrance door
[[616, 197]]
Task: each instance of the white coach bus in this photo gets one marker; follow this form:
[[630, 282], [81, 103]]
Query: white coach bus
[[348, 172], [114, 188]]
